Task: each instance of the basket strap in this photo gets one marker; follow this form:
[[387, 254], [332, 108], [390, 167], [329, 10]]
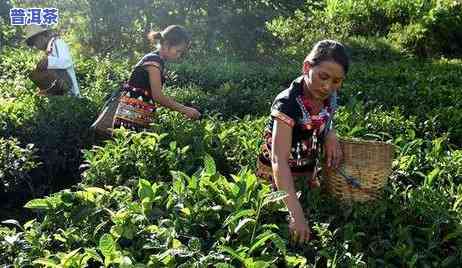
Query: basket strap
[[315, 146], [354, 182]]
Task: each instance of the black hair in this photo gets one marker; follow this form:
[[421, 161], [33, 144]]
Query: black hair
[[173, 35], [329, 50]]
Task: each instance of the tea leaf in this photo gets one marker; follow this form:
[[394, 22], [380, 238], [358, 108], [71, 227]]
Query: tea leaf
[[431, 176], [274, 197], [261, 240], [125, 262], [68, 257], [43, 204], [46, 263], [250, 263], [195, 244], [145, 190], [233, 253], [95, 190], [295, 261], [209, 163], [13, 239], [107, 245], [234, 217], [13, 222], [242, 223]]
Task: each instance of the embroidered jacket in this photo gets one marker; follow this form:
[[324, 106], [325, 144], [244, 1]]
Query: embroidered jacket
[[289, 107]]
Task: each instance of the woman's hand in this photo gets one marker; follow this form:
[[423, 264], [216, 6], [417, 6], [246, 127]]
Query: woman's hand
[[332, 150], [299, 230], [192, 113]]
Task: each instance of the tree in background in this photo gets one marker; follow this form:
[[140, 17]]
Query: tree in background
[[419, 27], [6, 31], [5, 10], [109, 26]]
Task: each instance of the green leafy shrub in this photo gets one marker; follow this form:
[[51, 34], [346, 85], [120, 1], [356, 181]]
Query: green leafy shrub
[[377, 16], [8, 33], [99, 76], [423, 28], [206, 219], [213, 73], [145, 213], [436, 33], [15, 64], [175, 143], [233, 143], [301, 31], [426, 89], [130, 156], [229, 100], [58, 128], [16, 164], [203, 219], [355, 121]]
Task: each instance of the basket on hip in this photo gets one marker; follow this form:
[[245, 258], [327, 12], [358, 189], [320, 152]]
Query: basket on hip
[[364, 172], [122, 110], [134, 112], [104, 124], [52, 81]]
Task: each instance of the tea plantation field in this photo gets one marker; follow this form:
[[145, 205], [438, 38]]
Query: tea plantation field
[[185, 194]]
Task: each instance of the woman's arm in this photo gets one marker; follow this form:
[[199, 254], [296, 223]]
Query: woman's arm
[[282, 142], [156, 92]]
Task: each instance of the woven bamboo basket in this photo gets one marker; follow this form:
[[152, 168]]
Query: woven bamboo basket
[[364, 172]]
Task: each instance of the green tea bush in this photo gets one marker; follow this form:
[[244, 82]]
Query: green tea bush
[[436, 33], [211, 74], [133, 208], [446, 165], [203, 219], [175, 143], [301, 31], [99, 76], [425, 89], [229, 100], [356, 121], [242, 140], [57, 126], [421, 220], [233, 143], [423, 28], [16, 164], [8, 33], [15, 65], [424, 162], [377, 16], [130, 156]]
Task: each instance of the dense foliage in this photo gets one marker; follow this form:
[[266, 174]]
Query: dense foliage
[[425, 28], [184, 194]]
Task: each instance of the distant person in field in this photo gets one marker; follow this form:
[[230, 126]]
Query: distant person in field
[[301, 124], [54, 74], [148, 76]]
